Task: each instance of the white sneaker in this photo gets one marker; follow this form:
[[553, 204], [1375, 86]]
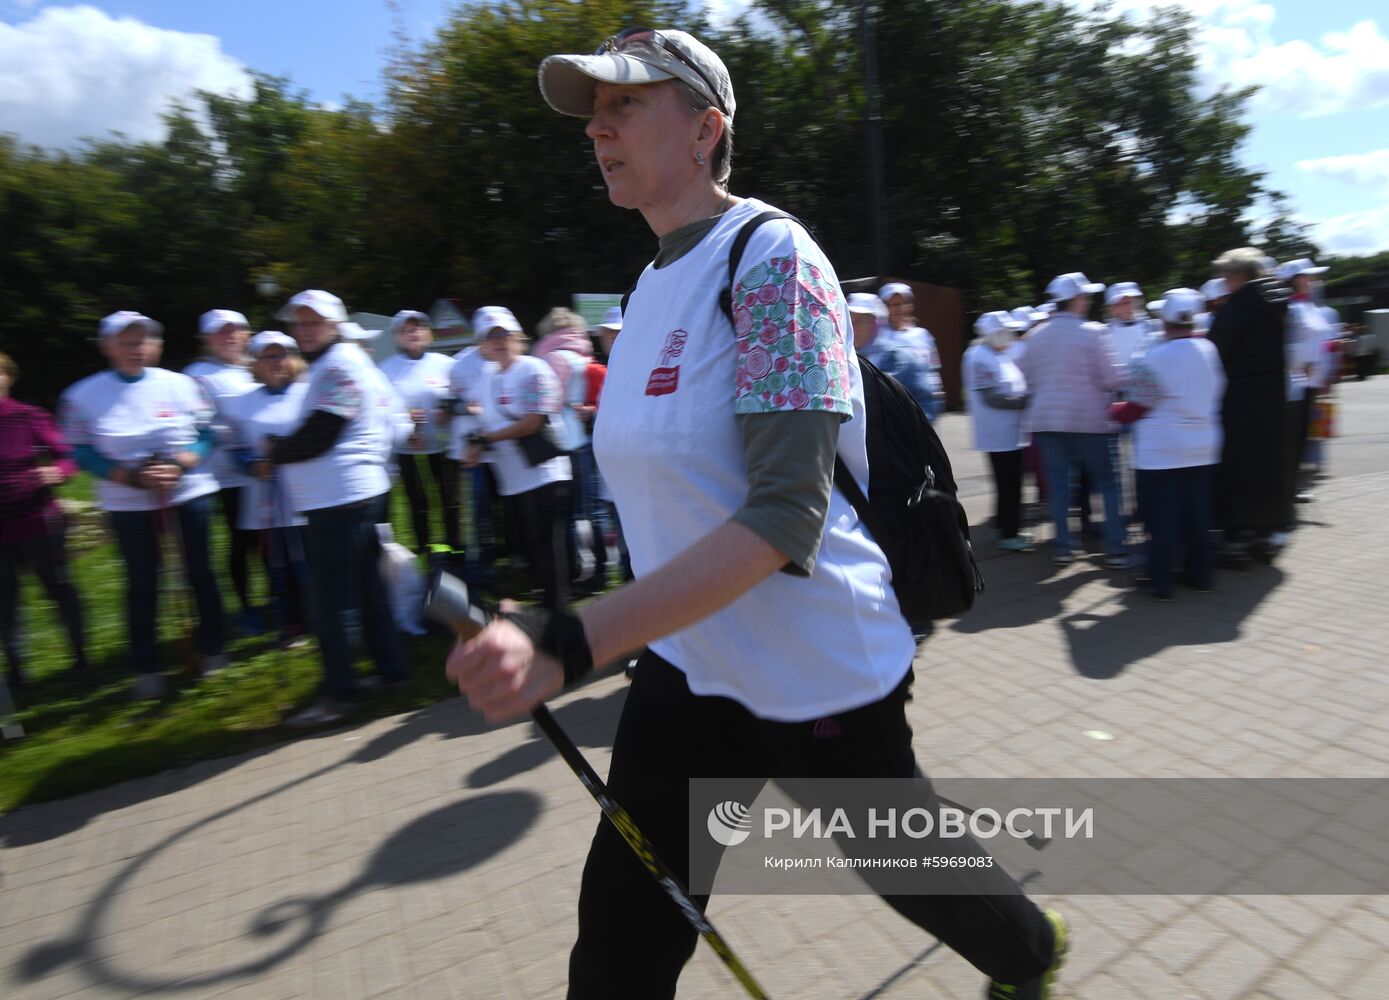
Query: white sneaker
[[147, 687]]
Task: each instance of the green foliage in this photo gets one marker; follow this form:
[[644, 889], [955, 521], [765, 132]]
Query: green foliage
[[1021, 138]]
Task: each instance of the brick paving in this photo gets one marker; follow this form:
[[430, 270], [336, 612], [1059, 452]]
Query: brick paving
[[428, 856]]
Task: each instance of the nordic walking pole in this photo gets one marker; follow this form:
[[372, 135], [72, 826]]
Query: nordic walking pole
[[446, 601], [166, 524]]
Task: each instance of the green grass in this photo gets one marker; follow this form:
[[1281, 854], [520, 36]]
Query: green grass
[[83, 732]]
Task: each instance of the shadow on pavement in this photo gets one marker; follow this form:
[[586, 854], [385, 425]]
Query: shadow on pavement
[[1102, 646], [590, 722]]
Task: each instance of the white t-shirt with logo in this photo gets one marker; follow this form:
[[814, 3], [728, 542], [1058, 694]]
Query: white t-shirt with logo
[[345, 382], [160, 414], [667, 439], [994, 429], [423, 385], [528, 386], [466, 384], [1182, 383], [222, 382], [1129, 339], [253, 417]]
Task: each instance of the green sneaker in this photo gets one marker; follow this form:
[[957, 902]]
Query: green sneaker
[[1040, 987]]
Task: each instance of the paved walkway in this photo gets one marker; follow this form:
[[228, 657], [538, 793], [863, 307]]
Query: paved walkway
[[426, 856]]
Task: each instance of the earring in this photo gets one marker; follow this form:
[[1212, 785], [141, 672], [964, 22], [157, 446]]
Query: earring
[[699, 157]]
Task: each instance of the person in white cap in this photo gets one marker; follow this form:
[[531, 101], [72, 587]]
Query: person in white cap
[[1172, 395], [273, 409], [1253, 498], [1308, 332], [1072, 372], [222, 372], [519, 396], [334, 465], [146, 433], [467, 379], [775, 643], [997, 398], [1129, 328], [903, 332], [421, 377], [875, 340]]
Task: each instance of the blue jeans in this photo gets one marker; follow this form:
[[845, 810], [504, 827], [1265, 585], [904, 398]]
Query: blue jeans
[[347, 596], [1176, 508], [138, 535], [483, 548], [1062, 451]]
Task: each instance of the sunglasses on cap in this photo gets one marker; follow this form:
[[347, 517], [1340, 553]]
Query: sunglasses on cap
[[630, 38]]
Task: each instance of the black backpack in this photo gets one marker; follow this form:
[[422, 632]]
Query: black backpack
[[911, 508]]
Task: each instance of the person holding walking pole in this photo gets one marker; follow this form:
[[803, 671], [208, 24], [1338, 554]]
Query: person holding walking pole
[[145, 432], [776, 645]]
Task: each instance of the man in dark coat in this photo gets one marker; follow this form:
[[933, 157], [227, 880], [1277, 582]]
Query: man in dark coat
[[1250, 488]]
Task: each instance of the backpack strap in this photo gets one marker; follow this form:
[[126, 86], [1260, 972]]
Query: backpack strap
[[740, 244]]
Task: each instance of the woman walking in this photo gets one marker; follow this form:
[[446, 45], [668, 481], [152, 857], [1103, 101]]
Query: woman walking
[[997, 398], [775, 641]]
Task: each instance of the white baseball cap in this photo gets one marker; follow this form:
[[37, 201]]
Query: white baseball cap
[[270, 338], [355, 331], [399, 320], [1216, 288], [868, 304], [490, 318], [896, 288], [214, 319], [612, 319], [326, 304], [123, 320], [1122, 290], [996, 322], [1181, 306], [1026, 315], [636, 56], [1065, 287], [1304, 265]]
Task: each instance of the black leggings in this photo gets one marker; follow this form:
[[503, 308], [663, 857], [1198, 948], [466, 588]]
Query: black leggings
[[445, 475], [239, 544], [544, 515], [46, 555], [1007, 466], [633, 941]]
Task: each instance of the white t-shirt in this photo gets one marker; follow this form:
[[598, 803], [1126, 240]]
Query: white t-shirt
[[222, 382], [345, 382], [994, 429], [466, 384], [1128, 339], [423, 385], [667, 439], [160, 414], [572, 370], [252, 417], [527, 386], [1182, 383], [1307, 329]]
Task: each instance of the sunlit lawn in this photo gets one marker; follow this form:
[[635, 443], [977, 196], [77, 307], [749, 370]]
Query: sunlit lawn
[[83, 732]]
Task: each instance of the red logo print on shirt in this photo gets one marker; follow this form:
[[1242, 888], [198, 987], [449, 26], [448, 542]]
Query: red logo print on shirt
[[163, 411], [665, 377]]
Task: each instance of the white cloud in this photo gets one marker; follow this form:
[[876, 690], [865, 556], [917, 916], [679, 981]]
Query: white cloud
[[1365, 232], [1364, 169], [1344, 70], [70, 72]]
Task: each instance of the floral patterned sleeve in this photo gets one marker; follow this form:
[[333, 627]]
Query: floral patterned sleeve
[[339, 393], [791, 335], [1141, 385], [540, 391]]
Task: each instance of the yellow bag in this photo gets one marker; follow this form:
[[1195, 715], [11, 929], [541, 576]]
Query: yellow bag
[[1323, 426]]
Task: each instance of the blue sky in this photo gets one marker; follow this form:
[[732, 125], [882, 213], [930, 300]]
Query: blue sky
[[1321, 125]]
